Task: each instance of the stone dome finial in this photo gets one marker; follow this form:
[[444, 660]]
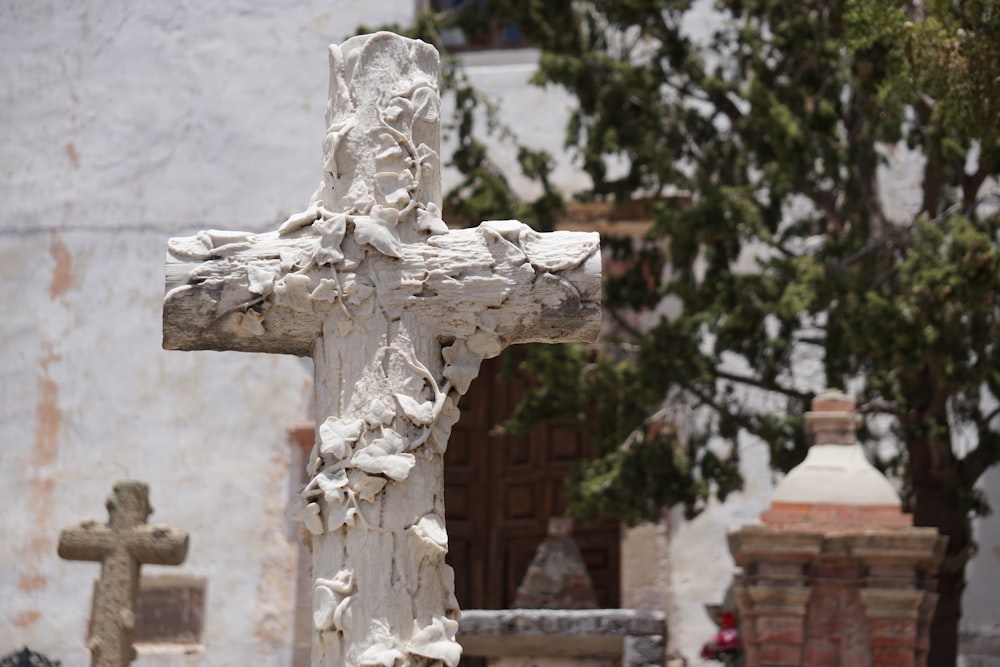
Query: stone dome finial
[[836, 470], [833, 420]]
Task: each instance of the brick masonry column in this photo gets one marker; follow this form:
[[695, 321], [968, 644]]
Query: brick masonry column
[[772, 592], [834, 574]]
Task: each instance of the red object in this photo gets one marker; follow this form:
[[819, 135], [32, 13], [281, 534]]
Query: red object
[[726, 645]]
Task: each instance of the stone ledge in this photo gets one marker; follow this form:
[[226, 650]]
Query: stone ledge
[[615, 622], [557, 632], [980, 643], [919, 547]]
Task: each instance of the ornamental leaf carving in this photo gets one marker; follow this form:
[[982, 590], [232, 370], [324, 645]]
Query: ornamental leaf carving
[[376, 233], [337, 436], [426, 104], [418, 413], [340, 514], [376, 460], [429, 219], [436, 641], [462, 365], [379, 414], [332, 484]]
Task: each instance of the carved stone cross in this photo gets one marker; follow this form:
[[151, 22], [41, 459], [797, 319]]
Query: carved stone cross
[[397, 312], [121, 546]]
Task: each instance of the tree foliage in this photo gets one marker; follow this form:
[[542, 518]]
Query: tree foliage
[[792, 266]]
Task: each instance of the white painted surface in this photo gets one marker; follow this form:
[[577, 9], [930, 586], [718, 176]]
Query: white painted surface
[[980, 628], [701, 566], [537, 115], [839, 474]]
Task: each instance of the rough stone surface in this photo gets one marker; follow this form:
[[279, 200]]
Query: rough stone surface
[[550, 637], [644, 651], [572, 622], [122, 547], [557, 577], [397, 312]]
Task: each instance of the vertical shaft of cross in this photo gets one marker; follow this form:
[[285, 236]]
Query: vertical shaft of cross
[[392, 546], [382, 591], [121, 547]]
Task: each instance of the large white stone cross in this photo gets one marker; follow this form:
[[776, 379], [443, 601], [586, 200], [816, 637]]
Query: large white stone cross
[[397, 312]]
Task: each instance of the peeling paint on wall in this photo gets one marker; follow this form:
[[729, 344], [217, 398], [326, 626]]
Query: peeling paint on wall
[[41, 544], [26, 619], [48, 417], [61, 272], [73, 155], [30, 581]]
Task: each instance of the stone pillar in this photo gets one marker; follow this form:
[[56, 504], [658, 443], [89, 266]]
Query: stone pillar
[[835, 574]]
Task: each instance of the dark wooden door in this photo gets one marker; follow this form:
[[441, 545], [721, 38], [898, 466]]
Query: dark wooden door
[[500, 492]]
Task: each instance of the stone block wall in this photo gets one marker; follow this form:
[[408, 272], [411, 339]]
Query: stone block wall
[[554, 637]]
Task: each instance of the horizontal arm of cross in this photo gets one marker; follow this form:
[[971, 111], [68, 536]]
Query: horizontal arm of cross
[[89, 541], [153, 545], [156, 545], [267, 293]]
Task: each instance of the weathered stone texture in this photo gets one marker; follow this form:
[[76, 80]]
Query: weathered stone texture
[[397, 312], [121, 546], [634, 637]]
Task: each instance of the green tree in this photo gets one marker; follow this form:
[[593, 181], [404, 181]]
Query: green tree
[[776, 129]]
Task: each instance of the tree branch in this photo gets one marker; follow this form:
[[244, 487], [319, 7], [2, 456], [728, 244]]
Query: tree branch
[[990, 417], [819, 342], [877, 407], [972, 183], [868, 248], [825, 202], [983, 457], [721, 409], [865, 175], [932, 168], [753, 382], [620, 321]]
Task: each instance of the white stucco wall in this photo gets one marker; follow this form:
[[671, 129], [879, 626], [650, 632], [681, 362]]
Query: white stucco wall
[[122, 124], [980, 628], [537, 115]]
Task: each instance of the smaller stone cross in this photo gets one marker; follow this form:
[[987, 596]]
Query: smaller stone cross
[[121, 546]]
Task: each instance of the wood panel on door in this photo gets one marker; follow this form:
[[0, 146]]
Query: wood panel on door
[[500, 493]]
